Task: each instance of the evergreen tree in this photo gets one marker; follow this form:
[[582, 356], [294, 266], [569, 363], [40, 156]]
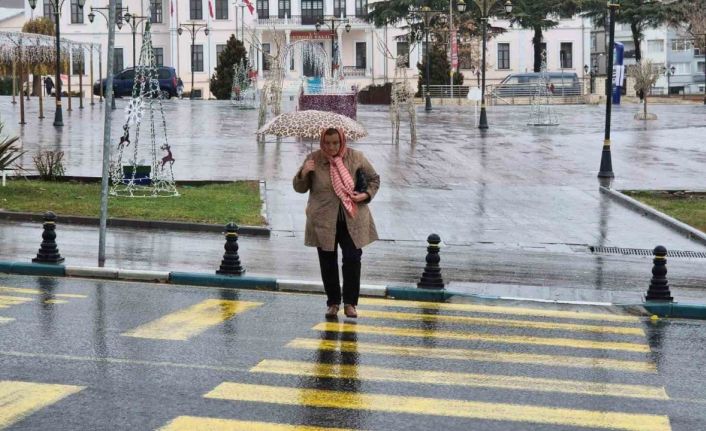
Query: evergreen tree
[[41, 25], [438, 71], [222, 79]]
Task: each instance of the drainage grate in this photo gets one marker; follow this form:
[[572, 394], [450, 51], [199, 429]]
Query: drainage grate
[[646, 252]]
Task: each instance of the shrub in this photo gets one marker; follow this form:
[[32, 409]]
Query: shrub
[[8, 152], [49, 164]]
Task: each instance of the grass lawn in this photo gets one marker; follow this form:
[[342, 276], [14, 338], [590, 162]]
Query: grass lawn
[[237, 202], [688, 207]]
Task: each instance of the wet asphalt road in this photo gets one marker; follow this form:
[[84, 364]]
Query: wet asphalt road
[[79, 354]]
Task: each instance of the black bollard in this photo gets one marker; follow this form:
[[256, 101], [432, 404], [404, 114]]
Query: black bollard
[[431, 277], [659, 287], [231, 262], [48, 250]]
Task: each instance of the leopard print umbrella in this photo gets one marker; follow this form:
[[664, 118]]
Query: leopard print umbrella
[[310, 124]]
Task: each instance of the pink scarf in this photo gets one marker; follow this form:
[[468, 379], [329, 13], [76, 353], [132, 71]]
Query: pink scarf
[[341, 179]]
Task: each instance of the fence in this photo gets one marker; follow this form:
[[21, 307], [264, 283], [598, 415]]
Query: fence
[[496, 92]]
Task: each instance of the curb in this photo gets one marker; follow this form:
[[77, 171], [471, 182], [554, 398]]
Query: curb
[[139, 224], [661, 309], [682, 228]]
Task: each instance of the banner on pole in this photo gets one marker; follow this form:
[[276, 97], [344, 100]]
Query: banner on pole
[[454, 51]]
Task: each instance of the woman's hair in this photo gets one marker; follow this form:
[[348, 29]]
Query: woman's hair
[[330, 131]]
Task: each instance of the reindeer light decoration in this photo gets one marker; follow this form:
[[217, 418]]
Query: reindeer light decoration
[[401, 95]]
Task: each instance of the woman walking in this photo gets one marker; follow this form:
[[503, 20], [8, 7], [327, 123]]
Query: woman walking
[[337, 214]]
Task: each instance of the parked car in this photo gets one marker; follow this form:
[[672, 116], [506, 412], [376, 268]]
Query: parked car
[[525, 84], [123, 82]]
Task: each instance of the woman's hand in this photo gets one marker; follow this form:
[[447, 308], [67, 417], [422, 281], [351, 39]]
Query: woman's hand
[[309, 166], [360, 197]]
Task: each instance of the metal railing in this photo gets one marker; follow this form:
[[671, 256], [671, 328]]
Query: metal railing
[[303, 20], [353, 71], [446, 91]]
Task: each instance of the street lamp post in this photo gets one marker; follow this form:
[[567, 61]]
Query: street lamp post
[[606, 169], [333, 23], [136, 19], [56, 8], [668, 71], [427, 11], [193, 29], [483, 5], [119, 24]]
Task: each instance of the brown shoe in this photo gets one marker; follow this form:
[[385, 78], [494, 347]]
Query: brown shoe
[[350, 311], [332, 312]]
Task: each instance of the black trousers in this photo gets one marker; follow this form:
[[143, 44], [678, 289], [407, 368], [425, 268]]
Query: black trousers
[[328, 261]]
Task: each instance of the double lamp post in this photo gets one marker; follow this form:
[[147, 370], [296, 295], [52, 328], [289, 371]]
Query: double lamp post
[[193, 28], [334, 24]]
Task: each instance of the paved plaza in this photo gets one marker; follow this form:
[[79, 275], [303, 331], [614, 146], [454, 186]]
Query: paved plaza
[[516, 205]]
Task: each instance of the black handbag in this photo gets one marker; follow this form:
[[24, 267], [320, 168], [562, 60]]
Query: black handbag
[[361, 183]]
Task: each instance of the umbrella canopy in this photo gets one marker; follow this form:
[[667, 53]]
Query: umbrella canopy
[[310, 124]]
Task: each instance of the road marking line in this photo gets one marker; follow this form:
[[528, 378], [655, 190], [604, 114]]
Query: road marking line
[[109, 360], [475, 336], [194, 423], [476, 308], [56, 301], [183, 324], [382, 374], [473, 355], [39, 292], [439, 407], [4, 320], [622, 330], [8, 301], [20, 399]]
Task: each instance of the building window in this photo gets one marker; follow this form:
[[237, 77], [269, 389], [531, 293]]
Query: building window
[[360, 55], [76, 13], [117, 60], [403, 49], [656, 45], [566, 60], [221, 9], [312, 11], [77, 65], [156, 11], [219, 51], [361, 8], [265, 56], [48, 9], [700, 67], [339, 8], [263, 9], [196, 9], [503, 56], [682, 45], [285, 9], [681, 68], [197, 58], [159, 57], [594, 42]]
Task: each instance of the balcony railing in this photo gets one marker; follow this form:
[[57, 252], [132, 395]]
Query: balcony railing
[[302, 20], [353, 71]]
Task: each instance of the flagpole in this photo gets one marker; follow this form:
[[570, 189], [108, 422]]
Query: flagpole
[[210, 16]]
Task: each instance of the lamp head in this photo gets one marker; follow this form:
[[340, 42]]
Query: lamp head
[[461, 6], [671, 69], [585, 68], [206, 31], [348, 28], [318, 26], [128, 16], [508, 7], [81, 3], [33, 4], [119, 23], [180, 31], [91, 17]]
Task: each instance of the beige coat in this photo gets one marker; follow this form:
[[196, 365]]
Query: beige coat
[[323, 206]]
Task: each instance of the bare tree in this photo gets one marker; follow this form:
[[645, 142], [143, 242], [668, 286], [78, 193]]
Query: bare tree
[[645, 76]]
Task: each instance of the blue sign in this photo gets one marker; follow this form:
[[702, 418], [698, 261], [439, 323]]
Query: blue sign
[[618, 71]]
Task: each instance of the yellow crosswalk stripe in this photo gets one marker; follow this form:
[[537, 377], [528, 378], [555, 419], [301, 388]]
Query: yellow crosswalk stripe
[[475, 336], [440, 407], [8, 301], [519, 311], [191, 321], [4, 320], [194, 423], [382, 374], [621, 330], [38, 292], [20, 399], [473, 355]]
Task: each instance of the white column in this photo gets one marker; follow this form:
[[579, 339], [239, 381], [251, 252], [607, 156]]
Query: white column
[[288, 61], [257, 52], [369, 66]]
